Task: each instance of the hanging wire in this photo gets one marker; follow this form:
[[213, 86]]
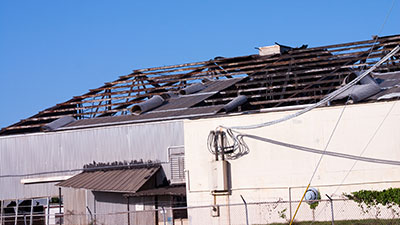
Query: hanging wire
[[324, 101], [376, 131], [219, 142]]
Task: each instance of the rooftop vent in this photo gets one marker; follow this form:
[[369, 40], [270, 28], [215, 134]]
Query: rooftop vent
[[147, 105], [272, 50], [238, 101], [192, 89]]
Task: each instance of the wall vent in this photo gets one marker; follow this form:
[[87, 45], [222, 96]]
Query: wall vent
[[177, 163]]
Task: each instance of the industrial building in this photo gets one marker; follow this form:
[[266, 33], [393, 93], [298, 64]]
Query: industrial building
[[150, 138]]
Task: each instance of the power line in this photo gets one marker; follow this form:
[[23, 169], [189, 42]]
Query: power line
[[324, 101], [318, 151], [380, 125], [365, 147]]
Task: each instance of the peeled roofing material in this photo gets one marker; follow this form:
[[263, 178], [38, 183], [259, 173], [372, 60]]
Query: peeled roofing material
[[359, 92], [367, 88], [298, 76], [121, 180], [58, 123]]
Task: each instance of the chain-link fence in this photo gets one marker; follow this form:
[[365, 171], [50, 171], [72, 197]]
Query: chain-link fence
[[337, 211]]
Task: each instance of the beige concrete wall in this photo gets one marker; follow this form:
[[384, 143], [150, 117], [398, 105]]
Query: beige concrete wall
[[268, 171]]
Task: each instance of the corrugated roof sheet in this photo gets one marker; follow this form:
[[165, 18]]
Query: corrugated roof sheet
[[186, 101], [121, 180], [218, 85]]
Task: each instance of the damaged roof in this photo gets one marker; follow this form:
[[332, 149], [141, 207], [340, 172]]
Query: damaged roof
[[292, 76]]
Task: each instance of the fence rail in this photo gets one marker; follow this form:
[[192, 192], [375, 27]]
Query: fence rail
[[337, 211]]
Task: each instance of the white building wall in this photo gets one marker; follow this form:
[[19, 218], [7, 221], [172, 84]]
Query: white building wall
[[269, 171]]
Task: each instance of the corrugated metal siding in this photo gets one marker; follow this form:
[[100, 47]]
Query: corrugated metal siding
[[108, 203], [65, 150], [74, 203]]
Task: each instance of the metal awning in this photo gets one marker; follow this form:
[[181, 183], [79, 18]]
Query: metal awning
[[173, 190], [117, 180]]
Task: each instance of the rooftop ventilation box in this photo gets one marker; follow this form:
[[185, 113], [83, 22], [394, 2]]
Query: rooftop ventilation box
[[272, 50]]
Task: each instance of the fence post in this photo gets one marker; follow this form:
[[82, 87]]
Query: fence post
[[330, 199], [290, 202], [165, 220], [16, 212], [245, 206], [48, 211], [129, 215], [1, 211]]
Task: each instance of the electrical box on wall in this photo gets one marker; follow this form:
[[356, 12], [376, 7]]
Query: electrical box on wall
[[219, 176]]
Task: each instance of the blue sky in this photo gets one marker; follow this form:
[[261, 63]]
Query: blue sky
[[53, 50]]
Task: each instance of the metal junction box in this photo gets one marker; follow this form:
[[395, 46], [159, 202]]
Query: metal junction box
[[219, 176]]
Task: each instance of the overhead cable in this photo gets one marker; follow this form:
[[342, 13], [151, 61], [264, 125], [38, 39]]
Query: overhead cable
[[376, 131], [324, 101], [317, 151]]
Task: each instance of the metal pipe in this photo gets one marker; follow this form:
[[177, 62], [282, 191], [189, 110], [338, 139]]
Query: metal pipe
[[290, 202], [16, 211], [94, 207], [247, 213], [301, 200], [48, 210], [1, 211], [156, 207], [30, 215], [90, 214], [59, 200], [129, 215]]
